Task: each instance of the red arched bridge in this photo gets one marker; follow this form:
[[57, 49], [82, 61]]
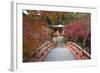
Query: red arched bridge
[[48, 52]]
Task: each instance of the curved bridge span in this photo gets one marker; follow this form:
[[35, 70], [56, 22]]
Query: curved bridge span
[[48, 52]]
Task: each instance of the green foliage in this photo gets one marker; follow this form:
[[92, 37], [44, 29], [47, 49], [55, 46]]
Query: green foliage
[[71, 17], [48, 20]]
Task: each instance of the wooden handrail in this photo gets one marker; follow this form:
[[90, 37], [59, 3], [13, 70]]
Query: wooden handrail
[[78, 50], [41, 52], [75, 45], [45, 43], [87, 54]]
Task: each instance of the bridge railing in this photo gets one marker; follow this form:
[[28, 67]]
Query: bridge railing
[[41, 52], [77, 51]]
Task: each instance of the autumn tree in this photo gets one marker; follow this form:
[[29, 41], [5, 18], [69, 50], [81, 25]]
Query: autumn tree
[[79, 31], [35, 33]]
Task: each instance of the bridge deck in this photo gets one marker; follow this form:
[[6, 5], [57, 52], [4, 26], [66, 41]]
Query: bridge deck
[[59, 54]]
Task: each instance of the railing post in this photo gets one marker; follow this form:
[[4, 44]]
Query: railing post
[[77, 51]]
